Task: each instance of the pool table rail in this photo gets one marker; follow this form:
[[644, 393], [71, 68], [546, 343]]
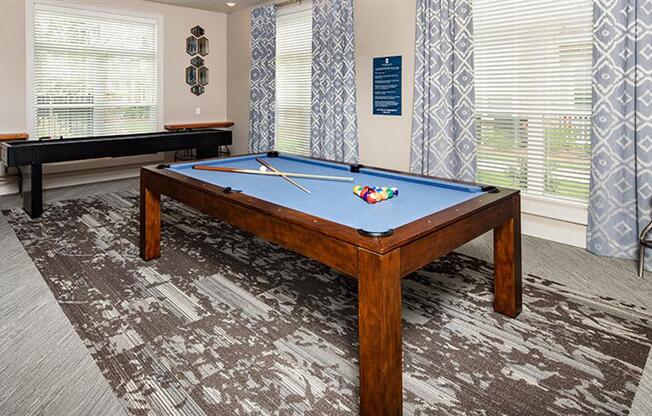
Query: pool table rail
[[399, 237], [313, 237]]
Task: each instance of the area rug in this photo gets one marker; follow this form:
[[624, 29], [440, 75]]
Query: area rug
[[225, 323]]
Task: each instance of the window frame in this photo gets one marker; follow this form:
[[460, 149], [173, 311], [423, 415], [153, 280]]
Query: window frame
[[88, 10]]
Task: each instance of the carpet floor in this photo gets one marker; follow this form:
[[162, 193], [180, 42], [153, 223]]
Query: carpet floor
[[225, 323]]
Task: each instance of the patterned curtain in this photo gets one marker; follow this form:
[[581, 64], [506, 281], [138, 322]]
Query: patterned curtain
[[443, 125], [334, 124], [621, 179], [262, 103]]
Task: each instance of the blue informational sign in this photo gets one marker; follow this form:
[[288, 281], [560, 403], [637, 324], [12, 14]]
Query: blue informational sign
[[387, 86]]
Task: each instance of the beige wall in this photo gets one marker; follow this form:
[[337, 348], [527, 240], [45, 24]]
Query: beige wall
[[382, 28], [238, 63], [179, 104], [12, 70]]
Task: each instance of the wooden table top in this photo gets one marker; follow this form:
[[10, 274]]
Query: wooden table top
[[193, 126], [14, 136]]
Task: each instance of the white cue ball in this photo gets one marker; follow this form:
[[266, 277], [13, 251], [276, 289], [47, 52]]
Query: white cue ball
[[263, 168]]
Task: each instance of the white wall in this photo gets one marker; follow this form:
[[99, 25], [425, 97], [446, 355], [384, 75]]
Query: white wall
[[12, 71], [385, 28], [238, 64], [179, 104], [382, 28]]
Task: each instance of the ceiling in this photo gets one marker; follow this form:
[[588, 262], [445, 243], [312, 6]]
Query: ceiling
[[213, 5]]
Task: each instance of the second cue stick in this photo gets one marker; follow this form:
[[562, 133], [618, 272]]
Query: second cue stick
[[257, 172], [292, 181]]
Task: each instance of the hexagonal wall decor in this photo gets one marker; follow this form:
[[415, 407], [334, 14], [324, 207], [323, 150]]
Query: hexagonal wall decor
[[197, 61], [191, 45], [191, 75], [197, 75], [202, 76], [203, 46], [197, 90], [197, 31]]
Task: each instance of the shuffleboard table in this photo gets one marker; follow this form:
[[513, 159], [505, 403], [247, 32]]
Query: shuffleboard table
[[30, 155], [377, 244]]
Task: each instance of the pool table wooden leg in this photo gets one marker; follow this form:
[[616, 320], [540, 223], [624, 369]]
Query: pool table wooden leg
[[379, 321], [507, 263], [150, 222]]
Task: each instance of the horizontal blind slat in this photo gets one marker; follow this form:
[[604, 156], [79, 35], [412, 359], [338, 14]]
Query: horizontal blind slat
[[533, 95], [293, 81], [94, 74]]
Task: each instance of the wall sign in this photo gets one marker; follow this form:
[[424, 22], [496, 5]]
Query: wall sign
[[387, 94]]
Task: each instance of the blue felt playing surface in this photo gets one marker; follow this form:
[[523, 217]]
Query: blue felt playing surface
[[335, 201]]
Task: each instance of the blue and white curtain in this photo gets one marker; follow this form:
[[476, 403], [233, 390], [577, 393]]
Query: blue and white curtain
[[621, 180], [262, 103], [443, 125], [334, 124]]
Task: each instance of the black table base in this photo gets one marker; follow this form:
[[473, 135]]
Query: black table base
[[29, 156]]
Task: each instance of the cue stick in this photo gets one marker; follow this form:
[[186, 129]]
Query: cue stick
[[292, 181], [257, 172]]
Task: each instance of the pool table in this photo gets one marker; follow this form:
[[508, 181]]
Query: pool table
[[378, 244]]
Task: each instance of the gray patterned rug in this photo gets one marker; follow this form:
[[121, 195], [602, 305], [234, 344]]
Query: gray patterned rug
[[228, 324]]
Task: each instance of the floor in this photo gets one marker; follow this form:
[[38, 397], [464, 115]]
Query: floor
[[46, 369]]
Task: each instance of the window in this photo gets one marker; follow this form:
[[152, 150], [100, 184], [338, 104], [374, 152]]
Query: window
[[293, 78], [533, 95], [94, 73]]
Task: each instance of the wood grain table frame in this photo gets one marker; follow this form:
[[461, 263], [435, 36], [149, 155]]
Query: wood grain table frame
[[379, 263], [195, 126]]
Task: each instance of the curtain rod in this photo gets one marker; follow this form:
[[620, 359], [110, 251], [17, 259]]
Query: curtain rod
[[286, 3]]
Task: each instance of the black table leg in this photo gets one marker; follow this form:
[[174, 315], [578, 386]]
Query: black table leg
[[32, 189], [211, 152], [644, 243]]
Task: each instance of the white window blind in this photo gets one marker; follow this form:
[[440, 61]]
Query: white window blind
[[533, 95], [293, 78], [94, 74]]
